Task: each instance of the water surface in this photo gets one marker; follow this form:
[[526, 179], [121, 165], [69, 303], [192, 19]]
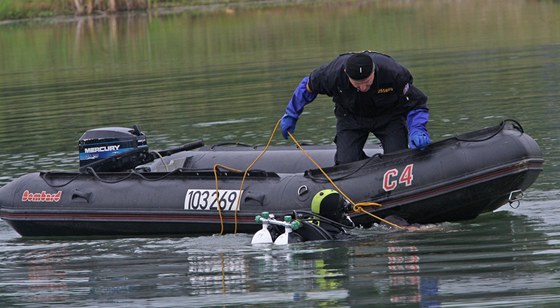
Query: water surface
[[227, 76]]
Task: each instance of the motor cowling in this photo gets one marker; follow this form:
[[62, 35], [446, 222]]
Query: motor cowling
[[112, 149]]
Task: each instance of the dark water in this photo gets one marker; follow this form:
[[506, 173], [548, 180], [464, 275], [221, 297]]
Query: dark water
[[226, 76]]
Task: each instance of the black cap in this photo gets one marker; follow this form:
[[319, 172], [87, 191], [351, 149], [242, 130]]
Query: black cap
[[359, 66]]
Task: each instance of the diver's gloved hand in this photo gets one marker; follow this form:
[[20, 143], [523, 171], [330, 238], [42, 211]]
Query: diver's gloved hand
[[288, 124], [418, 139]]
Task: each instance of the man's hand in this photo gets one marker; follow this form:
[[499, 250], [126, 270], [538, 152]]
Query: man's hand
[[418, 139], [416, 120], [288, 124]]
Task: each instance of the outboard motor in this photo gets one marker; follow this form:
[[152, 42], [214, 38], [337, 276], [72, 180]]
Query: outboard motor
[[112, 149], [115, 149]]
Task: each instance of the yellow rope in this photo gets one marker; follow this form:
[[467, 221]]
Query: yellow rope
[[216, 166], [247, 171], [242, 182], [356, 207]]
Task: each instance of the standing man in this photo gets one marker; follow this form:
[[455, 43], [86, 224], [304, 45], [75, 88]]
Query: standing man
[[372, 94]]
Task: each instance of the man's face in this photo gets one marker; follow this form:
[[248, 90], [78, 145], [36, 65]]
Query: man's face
[[364, 84]]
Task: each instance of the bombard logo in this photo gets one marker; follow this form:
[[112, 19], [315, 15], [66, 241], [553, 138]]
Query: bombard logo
[[41, 197]]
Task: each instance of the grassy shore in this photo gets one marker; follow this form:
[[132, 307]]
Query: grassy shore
[[23, 9]]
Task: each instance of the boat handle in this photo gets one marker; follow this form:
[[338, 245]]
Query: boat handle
[[76, 194], [302, 190], [515, 196]]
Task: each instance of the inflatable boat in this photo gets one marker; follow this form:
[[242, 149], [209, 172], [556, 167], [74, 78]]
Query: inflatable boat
[[122, 188]]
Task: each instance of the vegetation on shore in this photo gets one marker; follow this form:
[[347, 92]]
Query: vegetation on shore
[[22, 9]]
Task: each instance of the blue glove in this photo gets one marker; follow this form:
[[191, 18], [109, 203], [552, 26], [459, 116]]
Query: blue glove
[[299, 99], [288, 124], [418, 139]]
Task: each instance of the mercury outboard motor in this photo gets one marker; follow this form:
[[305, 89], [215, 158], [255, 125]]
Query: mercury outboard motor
[[112, 148], [115, 149]]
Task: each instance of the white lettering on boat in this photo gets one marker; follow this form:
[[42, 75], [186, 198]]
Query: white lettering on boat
[[41, 197], [205, 199], [391, 178], [102, 149]]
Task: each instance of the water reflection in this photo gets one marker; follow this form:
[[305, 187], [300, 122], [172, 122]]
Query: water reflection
[[491, 258], [405, 280], [44, 282], [497, 256]]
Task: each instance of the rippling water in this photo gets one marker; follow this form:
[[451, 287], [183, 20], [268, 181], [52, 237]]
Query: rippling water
[[508, 258], [226, 76]]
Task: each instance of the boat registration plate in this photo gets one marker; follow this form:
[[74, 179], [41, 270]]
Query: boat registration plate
[[206, 200]]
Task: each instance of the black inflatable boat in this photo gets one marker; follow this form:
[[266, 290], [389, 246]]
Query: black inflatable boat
[[121, 188]]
